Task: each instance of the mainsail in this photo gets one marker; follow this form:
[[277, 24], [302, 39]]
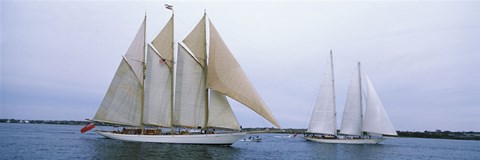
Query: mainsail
[[158, 90], [123, 102], [196, 42], [352, 113], [376, 119], [323, 119], [189, 91]]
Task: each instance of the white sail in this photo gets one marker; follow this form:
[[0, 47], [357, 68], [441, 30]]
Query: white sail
[[123, 102], [158, 91], [159, 79], [323, 119], [227, 77], [189, 91], [196, 42], [136, 53], [220, 114], [163, 43], [376, 119], [352, 113]]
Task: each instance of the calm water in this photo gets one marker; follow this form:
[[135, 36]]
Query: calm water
[[30, 141]]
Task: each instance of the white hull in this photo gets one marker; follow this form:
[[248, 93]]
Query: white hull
[[347, 141], [213, 139]]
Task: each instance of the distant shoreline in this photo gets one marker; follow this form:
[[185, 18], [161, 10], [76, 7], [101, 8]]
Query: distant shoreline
[[438, 134]]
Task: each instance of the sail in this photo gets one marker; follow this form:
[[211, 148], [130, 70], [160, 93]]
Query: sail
[[123, 102], [227, 77], [136, 53], [196, 42], [376, 119], [158, 91], [323, 119], [163, 43], [220, 114], [352, 113], [189, 91]]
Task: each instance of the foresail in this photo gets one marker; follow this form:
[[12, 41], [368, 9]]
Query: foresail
[[189, 91], [122, 103], [323, 119], [376, 119], [220, 114], [163, 43], [136, 53], [158, 91], [352, 113], [227, 77], [196, 41]]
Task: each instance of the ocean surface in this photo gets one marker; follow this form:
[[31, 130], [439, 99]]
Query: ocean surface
[[42, 141]]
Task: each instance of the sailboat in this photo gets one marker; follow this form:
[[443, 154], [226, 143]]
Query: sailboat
[[161, 100], [356, 128]]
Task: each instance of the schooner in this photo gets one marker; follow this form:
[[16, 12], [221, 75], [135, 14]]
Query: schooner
[[162, 100], [356, 127]]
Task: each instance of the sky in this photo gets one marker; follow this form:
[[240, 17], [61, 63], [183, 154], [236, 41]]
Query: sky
[[59, 57]]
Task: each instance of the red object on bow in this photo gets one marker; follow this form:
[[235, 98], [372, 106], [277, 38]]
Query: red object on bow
[[87, 127]]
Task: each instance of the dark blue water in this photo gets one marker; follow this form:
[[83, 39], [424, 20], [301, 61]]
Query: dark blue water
[[36, 141]]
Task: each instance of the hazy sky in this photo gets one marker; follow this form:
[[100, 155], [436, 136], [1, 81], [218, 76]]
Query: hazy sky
[[58, 57]]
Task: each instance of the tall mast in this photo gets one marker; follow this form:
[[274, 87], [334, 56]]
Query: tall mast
[[171, 76], [206, 70], [144, 69], [334, 106], [360, 85]]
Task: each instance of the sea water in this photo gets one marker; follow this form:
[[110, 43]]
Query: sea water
[[43, 141]]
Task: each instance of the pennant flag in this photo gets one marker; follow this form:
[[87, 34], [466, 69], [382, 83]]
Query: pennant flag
[[170, 7]]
